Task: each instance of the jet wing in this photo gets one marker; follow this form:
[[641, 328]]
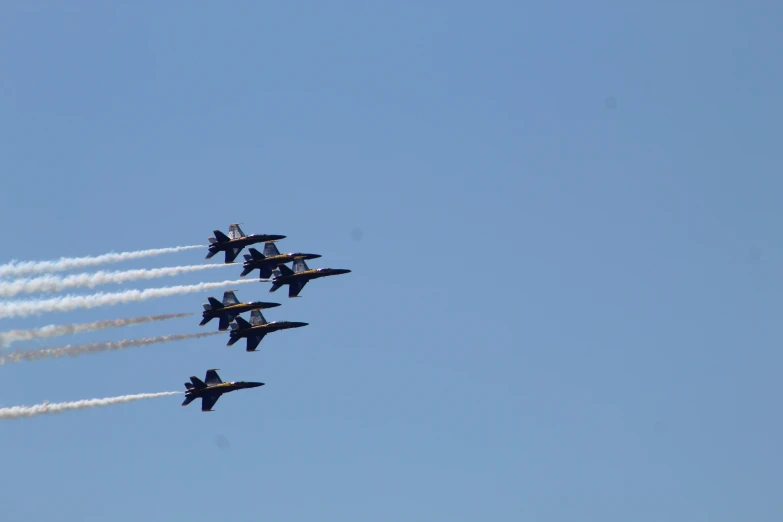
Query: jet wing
[[295, 287], [207, 401], [224, 322], [232, 253], [229, 298], [234, 232], [212, 378], [254, 340]]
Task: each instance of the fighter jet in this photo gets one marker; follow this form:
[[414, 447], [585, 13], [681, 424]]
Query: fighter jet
[[233, 243], [256, 329], [211, 388], [297, 278], [269, 260], [229, 308]]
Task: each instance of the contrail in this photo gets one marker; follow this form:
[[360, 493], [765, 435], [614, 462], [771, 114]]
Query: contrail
[[47, 408], [72, 302], [53, 330], [53, 283], [25, 268], [81, 349]]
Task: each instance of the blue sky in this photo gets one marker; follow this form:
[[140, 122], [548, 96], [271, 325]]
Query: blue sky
[[563, 222]]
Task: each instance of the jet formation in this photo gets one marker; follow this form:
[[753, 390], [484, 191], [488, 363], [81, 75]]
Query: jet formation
[[229, 309], [267, 262], [270, 264]]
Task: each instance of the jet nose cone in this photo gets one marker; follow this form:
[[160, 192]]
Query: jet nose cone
[[275, 237], [256, 384], [274, 305], [341, 271], [315, 256]]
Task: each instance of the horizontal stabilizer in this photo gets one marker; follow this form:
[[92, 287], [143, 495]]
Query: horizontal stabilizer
[[188, 400], [212, 240], [205, 321]]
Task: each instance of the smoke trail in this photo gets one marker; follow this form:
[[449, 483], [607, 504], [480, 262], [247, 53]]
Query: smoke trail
[[47, 408], [81, 349], [52, 283], [52, 330], [71, 302], [25, 268]]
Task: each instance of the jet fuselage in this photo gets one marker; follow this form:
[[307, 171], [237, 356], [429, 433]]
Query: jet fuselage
[[307, 275], [237, 309], [274, 326], [242, 242], [223, 387]]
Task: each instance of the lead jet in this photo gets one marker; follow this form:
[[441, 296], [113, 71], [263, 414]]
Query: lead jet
[[229, 309], [297, 278], [211, 388], [257, 328], [269, 260], [233, 243]]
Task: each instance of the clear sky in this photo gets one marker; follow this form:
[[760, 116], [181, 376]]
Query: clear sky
[[563, 221]]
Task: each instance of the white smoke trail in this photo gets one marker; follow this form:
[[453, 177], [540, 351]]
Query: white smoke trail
[[53, 283], [67, 303], [81, 349], [47, 408], [25, 268], [53, 330]]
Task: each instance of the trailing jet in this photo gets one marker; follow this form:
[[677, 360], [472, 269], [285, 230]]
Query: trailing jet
[[233, 243], [297, 278], [229, 308], [269, 260], [211, 388], [256, 329]]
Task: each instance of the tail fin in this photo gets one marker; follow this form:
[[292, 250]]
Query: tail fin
[[212, 240], [270, 250], [188, 386], [207, 307], [241, 323], [221, 237], [255, 254], [197, 383], [214, 303], [284, 270], [247, 257]]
